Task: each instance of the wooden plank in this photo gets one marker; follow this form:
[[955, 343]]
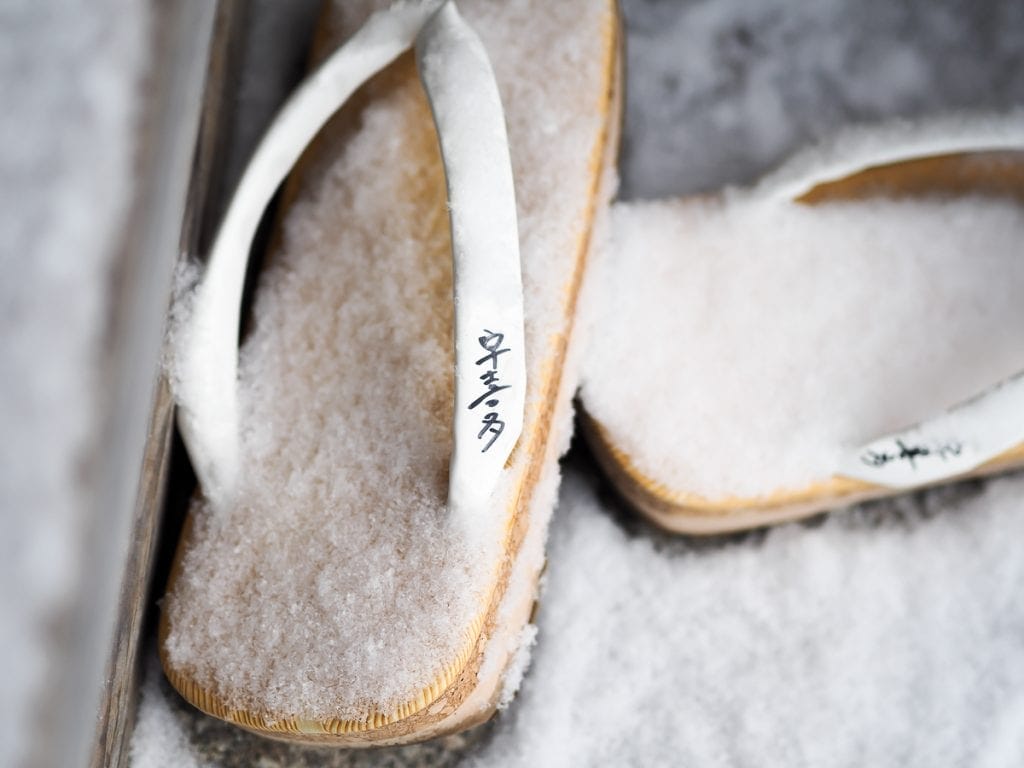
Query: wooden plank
[[184, 32]]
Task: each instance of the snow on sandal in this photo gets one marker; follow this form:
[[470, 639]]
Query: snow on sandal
[[361, 563], [773, 334]]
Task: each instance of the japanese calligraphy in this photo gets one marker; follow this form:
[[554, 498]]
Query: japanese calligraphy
[[492, 425]]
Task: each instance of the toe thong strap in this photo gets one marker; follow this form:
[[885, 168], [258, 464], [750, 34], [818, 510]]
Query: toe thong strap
[[490, 364], [489, 350], [954, 443]]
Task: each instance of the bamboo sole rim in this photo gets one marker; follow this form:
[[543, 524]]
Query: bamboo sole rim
[[434, 710], [690, 513]]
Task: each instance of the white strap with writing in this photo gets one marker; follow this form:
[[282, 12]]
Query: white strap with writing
[[489, 354], [490, 367], [953, 443]]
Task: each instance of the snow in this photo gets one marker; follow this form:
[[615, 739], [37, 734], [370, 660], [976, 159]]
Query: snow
[[517, 669], [158, 741]]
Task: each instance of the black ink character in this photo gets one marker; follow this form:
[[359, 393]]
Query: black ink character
[[490, 380], [492, 424], [876, 458], [910, 453], [491, 341]]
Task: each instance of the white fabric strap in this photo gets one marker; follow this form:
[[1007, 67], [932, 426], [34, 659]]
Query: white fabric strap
[[953, 443], [488, 291], [490, 365]]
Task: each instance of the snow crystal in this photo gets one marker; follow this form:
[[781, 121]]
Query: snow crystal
[[158, 740]]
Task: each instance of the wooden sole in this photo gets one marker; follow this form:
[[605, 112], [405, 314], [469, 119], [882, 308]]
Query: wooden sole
[[995, 173], [457, 698]]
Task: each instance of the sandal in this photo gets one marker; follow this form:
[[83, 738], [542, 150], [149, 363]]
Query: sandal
[[378, 466], [863, 287]]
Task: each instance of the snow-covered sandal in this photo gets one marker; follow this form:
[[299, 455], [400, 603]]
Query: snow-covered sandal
[[770, 340], [378, 463]]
